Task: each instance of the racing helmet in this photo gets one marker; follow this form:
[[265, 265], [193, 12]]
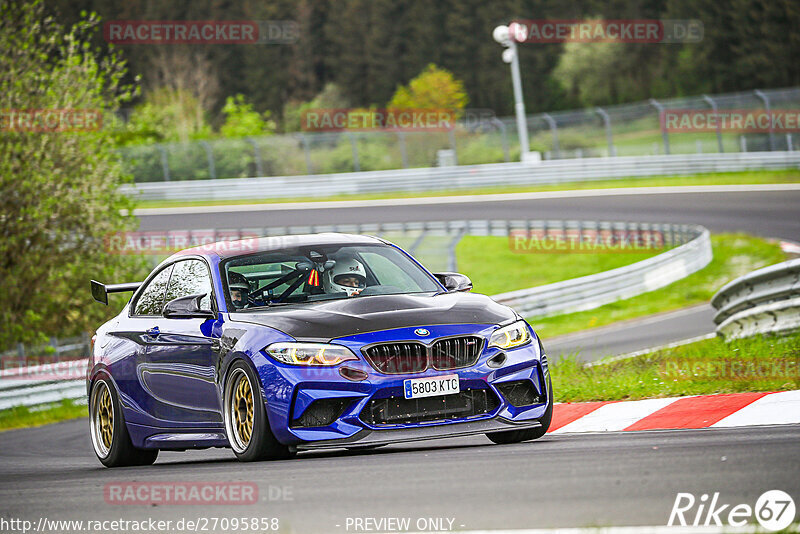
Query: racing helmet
[[237, 282], [348, 276]]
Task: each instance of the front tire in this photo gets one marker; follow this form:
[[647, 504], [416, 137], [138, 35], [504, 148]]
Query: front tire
[[110, 438], [527, 434], [246, 423]]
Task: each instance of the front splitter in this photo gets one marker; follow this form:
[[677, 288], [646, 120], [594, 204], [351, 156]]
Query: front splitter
[[372, 438]]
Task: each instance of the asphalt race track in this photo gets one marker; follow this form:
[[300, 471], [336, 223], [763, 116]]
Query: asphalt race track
[[759, 212], [634, 335], [624, 478], [568, 480]]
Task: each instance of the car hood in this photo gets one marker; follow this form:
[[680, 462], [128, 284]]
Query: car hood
[[331, 319]]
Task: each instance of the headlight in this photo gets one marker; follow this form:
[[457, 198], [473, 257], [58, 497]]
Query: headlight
[[513, 335], [310, 353]]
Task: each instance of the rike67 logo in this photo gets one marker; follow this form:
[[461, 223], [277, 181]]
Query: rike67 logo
[[774, 510]]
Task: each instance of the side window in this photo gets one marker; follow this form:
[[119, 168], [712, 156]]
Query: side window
[[151, 301], [389, 273], [190, 277]]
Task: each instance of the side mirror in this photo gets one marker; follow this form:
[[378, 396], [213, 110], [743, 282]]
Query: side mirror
[[454, 281], [187, 307]]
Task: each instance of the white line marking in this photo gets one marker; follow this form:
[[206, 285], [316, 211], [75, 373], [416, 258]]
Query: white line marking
[[497, 197], [615, 416], [629, 323], [776, 409], [625, 530]]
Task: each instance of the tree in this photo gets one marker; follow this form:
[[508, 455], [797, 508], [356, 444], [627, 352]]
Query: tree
[[59, 190], [241, 120], [590, 72], [434, 88], [167, 115], [330, 97]]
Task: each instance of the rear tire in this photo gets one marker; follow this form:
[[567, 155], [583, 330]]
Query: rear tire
[[246, 423], [527, 434], [110, 438]]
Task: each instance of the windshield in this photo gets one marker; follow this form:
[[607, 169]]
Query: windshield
[[321, 272]]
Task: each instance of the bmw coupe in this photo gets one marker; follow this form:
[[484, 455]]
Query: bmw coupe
[[302, 342]]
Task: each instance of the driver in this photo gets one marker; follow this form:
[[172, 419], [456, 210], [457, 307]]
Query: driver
[[348, 275], [240, 290]]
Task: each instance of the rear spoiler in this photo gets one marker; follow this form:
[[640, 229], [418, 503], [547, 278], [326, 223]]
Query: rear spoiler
[[100, 291]]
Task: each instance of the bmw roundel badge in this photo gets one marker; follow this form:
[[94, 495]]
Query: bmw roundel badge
[[421, 332]]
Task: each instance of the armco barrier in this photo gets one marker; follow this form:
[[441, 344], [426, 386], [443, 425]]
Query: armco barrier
[[691, 251], [40, 384], [461, 177], [588, 292], [761, 302]]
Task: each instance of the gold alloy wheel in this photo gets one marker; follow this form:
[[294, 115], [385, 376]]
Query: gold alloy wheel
[[241, 409], [105, 415], [102, 419]]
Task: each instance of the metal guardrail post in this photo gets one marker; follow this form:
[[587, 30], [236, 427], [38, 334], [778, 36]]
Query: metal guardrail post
[[714, 108], [504, 138], [257, 156], [452, 135], [554, 132], [307, 153], [356, 162], [662, 124], [452, 264], [164, 161], [54, 344], [212, 170], [607, 123], [764, 98], [415, 245], [401, 138]]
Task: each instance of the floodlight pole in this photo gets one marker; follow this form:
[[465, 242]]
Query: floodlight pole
[[510, 55]]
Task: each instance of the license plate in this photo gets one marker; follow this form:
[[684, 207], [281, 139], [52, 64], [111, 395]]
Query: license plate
[[415, 388]]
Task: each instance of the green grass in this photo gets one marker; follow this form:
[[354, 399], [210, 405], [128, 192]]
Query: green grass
[[494, 268], [727, 178], [734, 255], [27, 416], [706, 367]]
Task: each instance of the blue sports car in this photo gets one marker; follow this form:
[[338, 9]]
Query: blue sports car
[[288, 343]]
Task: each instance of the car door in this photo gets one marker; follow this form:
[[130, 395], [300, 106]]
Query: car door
[[180, 368]]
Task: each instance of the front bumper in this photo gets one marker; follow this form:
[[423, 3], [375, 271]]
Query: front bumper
[[289, 391], [372, 438]]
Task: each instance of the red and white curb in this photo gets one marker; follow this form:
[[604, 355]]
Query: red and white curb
[[702, 411]]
